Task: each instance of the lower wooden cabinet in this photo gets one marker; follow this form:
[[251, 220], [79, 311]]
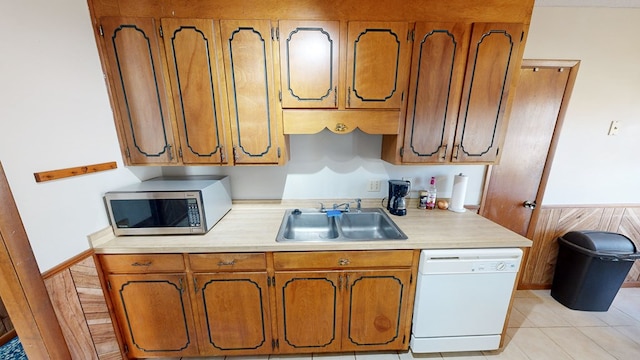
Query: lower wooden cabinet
[[154, 313], [233, 312], [375, 310], [261, 303], [350, 311], [306, 298]]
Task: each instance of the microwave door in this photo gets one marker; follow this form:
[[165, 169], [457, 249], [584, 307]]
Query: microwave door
[[150, 213]]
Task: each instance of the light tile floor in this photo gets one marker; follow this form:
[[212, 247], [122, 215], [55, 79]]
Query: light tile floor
[[540, 328]]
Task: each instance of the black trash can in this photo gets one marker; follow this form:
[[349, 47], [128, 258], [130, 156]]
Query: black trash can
[[590, 268]]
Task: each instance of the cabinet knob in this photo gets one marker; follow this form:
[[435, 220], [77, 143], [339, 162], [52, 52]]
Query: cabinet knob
[[344, 262]]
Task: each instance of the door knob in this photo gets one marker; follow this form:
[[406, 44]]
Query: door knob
[[529, 204]]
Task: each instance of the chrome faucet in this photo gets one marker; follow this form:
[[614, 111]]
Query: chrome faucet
[[346, 207]]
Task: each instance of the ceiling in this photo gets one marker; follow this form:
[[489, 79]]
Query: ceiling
[[590, 3]]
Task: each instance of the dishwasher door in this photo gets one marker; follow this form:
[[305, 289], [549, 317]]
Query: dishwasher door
[[462, 298]]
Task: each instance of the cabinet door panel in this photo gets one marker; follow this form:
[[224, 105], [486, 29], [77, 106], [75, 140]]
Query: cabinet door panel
[[191, 47], [309, 311], [234, 312], [154, 313], [249, 67], [437, 71], [377, 63], [492, 59], [134, 61], [309, 52], [376, 309]]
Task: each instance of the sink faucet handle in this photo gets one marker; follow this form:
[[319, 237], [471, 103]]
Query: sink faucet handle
[[345, 204], [322, 208], [359, 204]]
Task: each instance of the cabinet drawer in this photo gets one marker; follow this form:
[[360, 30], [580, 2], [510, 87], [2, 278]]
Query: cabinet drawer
[[228, 261], [342, 259], [142, 263]]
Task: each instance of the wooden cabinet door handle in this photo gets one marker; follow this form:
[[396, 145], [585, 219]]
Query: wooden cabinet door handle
[[227, 263], [344, 262], [340, 127], [148, 263]]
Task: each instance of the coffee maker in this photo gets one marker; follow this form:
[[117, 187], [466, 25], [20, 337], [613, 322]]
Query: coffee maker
[[398, 190]]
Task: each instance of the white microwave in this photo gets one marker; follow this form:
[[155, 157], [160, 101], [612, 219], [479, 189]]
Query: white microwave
[[169, 205]]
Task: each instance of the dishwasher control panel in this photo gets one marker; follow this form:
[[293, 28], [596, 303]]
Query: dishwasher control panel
[[468, 261], [483, 266]]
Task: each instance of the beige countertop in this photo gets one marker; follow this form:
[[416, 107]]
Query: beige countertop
[[253, 226]]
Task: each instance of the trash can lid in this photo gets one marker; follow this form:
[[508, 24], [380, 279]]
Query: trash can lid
[[601, 241]]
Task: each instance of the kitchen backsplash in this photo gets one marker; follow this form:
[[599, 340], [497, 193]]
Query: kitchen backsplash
[[328, 165]]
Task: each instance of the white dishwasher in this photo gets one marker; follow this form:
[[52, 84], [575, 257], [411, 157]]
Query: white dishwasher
[[462, 298]]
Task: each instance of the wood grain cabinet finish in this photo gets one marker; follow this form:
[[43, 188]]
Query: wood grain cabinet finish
[[139, 93], [492, 60], [231, 302], [309, 311], [378, 55], [220, 90], [361, 308], [194, 57], [437, 74], [309, 54], [154, 314], [233, 311], [376, 303], [248, 60], [458, 93], [223, 304]]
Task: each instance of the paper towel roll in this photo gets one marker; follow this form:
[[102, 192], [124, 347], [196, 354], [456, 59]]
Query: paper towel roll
[[458, 194]]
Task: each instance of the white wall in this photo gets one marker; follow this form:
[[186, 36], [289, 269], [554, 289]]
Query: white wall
[[591, 167], [328, 166], [55, 113]]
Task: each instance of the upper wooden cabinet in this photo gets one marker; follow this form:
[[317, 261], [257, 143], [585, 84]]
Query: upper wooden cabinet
[[492, 61], [139, 93], [309, 53], [199, 93], [193, 56], [437, 74], [432, 77], [377, 64], [458, 93], [248, 60]]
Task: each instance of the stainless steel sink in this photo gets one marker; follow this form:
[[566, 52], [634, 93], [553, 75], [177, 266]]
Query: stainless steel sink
[[311, 225]]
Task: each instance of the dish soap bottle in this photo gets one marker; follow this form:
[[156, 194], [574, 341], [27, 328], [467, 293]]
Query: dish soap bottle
[[431, 194]]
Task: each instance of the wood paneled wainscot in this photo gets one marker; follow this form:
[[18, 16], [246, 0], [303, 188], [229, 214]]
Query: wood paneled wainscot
[[555, 221], [261, 303]]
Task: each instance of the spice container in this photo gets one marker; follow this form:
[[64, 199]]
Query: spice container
[[423, 196]]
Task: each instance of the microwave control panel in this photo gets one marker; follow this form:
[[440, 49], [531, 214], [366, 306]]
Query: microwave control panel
[[193, 213]]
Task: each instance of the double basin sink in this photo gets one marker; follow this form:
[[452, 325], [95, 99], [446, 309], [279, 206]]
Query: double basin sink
[[312, 225]]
